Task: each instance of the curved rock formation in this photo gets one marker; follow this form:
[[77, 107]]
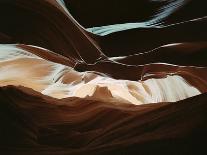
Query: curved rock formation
[[115, 77]]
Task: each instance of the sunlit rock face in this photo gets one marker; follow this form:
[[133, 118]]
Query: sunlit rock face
[[22, 68], [111, 77]]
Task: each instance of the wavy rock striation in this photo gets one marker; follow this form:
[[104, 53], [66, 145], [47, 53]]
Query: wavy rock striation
[[115, 77]]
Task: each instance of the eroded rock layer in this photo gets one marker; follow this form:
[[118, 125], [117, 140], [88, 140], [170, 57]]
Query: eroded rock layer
[[82, 77]]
